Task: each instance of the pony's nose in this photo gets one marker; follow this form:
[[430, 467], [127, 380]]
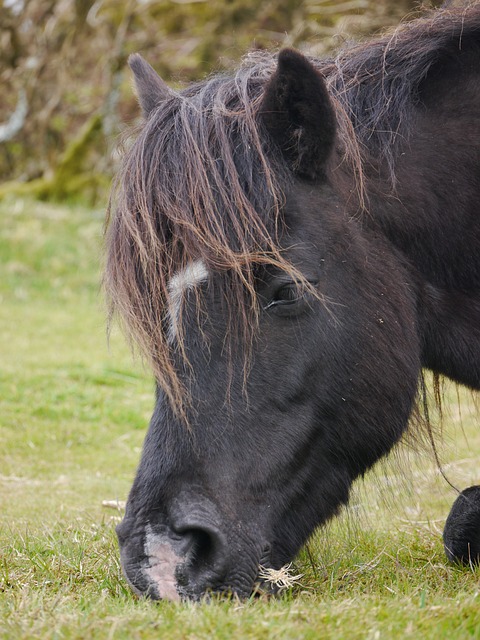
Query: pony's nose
[[206, 556]]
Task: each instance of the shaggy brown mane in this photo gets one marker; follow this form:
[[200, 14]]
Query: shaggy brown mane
[[202, 181]]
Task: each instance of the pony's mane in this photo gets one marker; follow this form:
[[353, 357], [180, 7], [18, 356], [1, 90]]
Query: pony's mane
[[378, 82], [203, 180]]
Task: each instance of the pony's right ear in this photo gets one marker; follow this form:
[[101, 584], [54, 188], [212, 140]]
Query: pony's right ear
[[151, 89], [298, 114]]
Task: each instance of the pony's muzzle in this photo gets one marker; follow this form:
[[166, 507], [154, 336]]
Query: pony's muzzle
[[186, 557]]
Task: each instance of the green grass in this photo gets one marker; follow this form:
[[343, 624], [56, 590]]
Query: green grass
[[72, 419]]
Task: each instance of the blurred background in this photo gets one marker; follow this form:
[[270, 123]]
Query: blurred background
[[66, 91]]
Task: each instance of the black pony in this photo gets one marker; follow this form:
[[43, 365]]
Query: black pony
[[289, 246]]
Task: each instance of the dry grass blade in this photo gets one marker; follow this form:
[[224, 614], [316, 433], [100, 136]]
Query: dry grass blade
[[114, 504], [280, 578]]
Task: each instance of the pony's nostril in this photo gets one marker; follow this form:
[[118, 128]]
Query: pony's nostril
[[206, 549], [203, 548]]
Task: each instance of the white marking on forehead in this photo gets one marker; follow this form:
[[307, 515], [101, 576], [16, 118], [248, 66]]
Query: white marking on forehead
[[182, 281]]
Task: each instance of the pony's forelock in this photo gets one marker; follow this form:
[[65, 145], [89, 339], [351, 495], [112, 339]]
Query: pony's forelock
[[199, 183]]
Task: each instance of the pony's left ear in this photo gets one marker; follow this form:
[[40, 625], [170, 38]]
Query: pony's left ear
[[151, 89], [298, 114]]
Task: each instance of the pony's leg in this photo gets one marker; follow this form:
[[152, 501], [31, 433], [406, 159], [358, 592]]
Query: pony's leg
[[450, 322], [461, 535], [451, 346]]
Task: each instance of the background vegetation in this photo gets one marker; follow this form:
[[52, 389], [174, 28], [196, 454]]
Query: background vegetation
[[73, 414], [66, 91]]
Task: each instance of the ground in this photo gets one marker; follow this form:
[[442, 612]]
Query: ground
[[72, 419]]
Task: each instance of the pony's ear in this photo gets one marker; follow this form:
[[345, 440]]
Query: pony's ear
[[298, 114], [151, 89]]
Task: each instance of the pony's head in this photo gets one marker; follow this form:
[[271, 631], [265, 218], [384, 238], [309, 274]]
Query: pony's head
[[282, 333]]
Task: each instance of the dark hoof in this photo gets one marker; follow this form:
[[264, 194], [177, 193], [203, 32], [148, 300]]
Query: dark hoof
[[461, 535]]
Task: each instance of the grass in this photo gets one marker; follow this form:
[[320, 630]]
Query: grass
[[72, 420]]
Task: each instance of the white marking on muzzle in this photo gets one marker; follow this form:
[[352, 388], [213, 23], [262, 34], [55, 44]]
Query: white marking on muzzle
[[182, 281], [162, 564]]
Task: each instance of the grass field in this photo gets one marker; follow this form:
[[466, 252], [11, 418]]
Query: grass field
[[72, 420]]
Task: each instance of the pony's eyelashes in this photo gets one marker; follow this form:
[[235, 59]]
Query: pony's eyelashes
[[289, 299]]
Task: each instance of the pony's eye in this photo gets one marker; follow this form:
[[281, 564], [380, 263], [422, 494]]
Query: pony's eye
[[286, 295]]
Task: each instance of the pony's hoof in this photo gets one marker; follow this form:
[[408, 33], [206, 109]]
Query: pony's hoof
[[461, 535]]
